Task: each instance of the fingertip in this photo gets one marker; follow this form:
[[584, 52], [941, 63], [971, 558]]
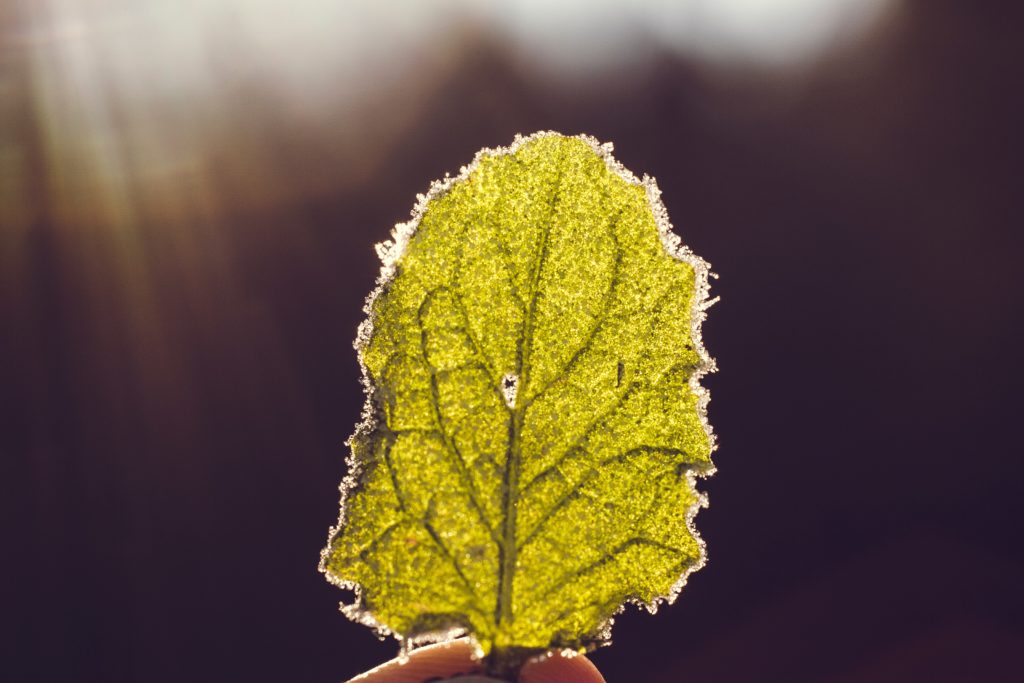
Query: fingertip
[[561, 667], [441, 660]]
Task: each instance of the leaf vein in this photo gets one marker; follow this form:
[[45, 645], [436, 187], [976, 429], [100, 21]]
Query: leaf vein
[[453, 450], [607, 558], [594, 472], [599, 320]]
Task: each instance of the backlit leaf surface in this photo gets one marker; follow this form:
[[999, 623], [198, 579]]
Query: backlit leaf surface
[[534, 426]]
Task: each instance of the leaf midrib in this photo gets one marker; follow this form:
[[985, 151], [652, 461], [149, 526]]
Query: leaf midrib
[[510, 481]]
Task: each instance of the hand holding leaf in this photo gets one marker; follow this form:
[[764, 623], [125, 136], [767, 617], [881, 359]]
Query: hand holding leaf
[[534, 423]]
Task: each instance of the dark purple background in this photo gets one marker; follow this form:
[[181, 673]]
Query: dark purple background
[[866, 523]]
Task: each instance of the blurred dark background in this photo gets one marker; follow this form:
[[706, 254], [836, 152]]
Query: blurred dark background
[[189, 195]]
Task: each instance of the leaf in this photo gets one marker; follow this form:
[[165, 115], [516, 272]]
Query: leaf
[[534, 425]]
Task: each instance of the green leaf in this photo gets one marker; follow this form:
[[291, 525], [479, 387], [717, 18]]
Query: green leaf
[[534, 425]]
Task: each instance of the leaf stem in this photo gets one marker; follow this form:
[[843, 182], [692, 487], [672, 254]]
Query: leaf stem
[[505, 662]]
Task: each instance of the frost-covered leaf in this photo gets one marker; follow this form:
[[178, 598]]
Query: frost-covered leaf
[[534, 424]]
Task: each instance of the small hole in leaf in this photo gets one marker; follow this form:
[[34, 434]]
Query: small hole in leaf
[[509, 384]]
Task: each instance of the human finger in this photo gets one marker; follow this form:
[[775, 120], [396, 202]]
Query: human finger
[[560, 667], [430, 663]]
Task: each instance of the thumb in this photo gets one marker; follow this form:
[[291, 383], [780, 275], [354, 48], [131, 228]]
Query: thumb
[[560, 667]]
